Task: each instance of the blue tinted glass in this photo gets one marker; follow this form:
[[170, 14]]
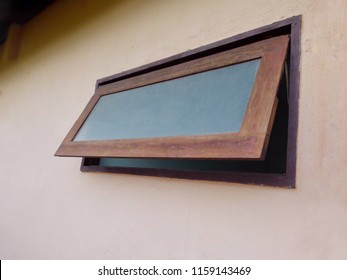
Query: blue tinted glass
[[210, 102]]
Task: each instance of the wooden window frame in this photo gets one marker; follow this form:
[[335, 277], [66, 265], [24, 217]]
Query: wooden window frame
[[249, 143], [291, 27]]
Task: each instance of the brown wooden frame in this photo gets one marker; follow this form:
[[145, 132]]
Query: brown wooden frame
[[249, 143], [290, 26]]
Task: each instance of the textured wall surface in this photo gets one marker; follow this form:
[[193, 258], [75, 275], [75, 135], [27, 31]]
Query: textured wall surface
[[49, 209]]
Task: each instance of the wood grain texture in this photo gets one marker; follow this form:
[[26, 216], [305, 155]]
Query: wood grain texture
[[206, 146], [226, 58], [249, 143], [290, 26]]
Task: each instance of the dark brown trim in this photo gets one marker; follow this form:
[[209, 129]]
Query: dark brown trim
[[263, 179], [282, 27], [294, 87], [290, 26]]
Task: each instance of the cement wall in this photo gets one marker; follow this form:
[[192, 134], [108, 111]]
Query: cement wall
[[49, 209]]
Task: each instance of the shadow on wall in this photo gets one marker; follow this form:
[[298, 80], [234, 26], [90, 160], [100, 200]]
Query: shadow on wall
[[61, 20]]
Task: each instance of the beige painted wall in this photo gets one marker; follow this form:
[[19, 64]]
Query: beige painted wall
[[49, 209]]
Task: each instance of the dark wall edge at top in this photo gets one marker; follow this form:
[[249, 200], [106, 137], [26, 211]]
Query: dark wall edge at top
[[18, 11]]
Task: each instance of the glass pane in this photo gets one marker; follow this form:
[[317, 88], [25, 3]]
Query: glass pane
[[274, 162], [210, 102]]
